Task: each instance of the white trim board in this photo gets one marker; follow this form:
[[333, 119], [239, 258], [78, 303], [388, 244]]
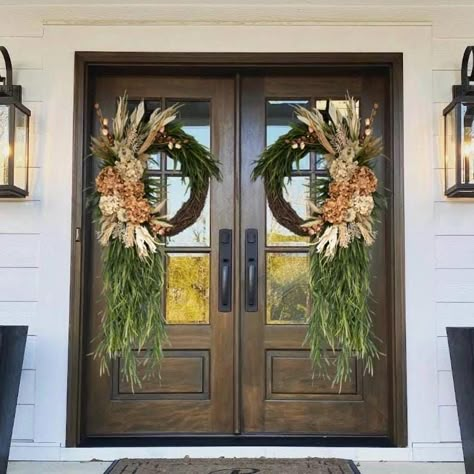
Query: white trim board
[[449, 452]]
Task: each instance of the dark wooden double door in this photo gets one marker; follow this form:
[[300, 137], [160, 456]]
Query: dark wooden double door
[[243, 370]]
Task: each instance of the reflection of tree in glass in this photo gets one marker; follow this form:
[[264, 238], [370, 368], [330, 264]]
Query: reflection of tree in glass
[[187, 292], [287, 288], [296, 192]]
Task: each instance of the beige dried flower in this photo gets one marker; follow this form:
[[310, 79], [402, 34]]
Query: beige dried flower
[[159, 226], [363, 205], [341, 170], [344, 236], [109, 205], [130, 169]]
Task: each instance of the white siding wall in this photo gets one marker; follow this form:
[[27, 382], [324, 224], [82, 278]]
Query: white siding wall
[[454, 244], [23, 262], [19, 224]]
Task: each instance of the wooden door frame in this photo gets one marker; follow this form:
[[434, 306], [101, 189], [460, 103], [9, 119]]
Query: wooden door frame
[[89, 63]]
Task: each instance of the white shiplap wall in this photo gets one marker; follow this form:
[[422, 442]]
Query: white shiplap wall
[[22, 32], [19, 226], [454, 244]]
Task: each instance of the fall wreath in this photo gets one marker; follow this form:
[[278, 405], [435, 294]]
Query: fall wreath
[[341, 224], [132, 226]]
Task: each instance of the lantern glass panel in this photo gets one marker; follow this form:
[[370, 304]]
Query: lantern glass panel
[[4, 143], [21, 149], [450, 147], [467, 150]]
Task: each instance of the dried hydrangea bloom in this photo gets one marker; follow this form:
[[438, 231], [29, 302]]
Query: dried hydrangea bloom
[[130, 170], [131, 188], [138, 210], [363, 205], [341, 170], [351, 215], [342, 189], [365, 181], [109, 205], [107, 181], [334, 210]]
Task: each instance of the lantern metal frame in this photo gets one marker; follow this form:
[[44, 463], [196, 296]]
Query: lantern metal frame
[[462, 94], [11, 96]]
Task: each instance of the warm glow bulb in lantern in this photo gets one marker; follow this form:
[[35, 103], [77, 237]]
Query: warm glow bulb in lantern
[[14, 135], [459, 133]]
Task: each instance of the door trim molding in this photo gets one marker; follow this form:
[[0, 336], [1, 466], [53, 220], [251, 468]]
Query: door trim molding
[[86, 63]]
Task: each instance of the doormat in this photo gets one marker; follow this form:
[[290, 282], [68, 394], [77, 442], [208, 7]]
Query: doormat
[[233, 466]]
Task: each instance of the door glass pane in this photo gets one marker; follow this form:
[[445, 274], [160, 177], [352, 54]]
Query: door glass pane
[[297, 193], [320, 162], [196, 119], [339, 104], [187, 288], [280, 114], [4, 143], [154, 164], [287, 288], [198, 234]]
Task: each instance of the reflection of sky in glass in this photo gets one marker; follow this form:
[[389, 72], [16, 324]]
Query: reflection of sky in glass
[[297, 193], [280, 113], [155, 161], [196, 235], [201, 133]]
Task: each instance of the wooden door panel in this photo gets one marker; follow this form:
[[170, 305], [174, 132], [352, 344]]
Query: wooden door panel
[[244, 372], [183, 374], [289, 376], [193, 393], [280, 392]]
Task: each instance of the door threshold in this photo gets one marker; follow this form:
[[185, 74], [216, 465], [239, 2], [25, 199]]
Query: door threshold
[[237, 440]]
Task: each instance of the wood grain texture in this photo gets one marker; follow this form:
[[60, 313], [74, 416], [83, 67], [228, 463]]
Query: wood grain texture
[[184, 373]]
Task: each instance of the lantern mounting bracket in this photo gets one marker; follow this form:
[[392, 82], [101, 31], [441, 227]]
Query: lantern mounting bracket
[[7, 89]]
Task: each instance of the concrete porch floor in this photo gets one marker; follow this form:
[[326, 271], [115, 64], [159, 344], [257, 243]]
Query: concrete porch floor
[[21, 467]]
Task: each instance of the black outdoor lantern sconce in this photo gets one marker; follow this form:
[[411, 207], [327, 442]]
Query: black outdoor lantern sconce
[[14, 136], [459, 134]]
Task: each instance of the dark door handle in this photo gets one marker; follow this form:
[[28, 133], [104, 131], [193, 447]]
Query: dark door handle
[[251, 270], [252, 267], [225, 270]]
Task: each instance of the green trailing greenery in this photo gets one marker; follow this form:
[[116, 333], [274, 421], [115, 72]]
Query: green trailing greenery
[[133, 311], [340, 321]]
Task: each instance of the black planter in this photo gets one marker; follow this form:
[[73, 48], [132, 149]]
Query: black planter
[[461, 348], [12, 350]]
